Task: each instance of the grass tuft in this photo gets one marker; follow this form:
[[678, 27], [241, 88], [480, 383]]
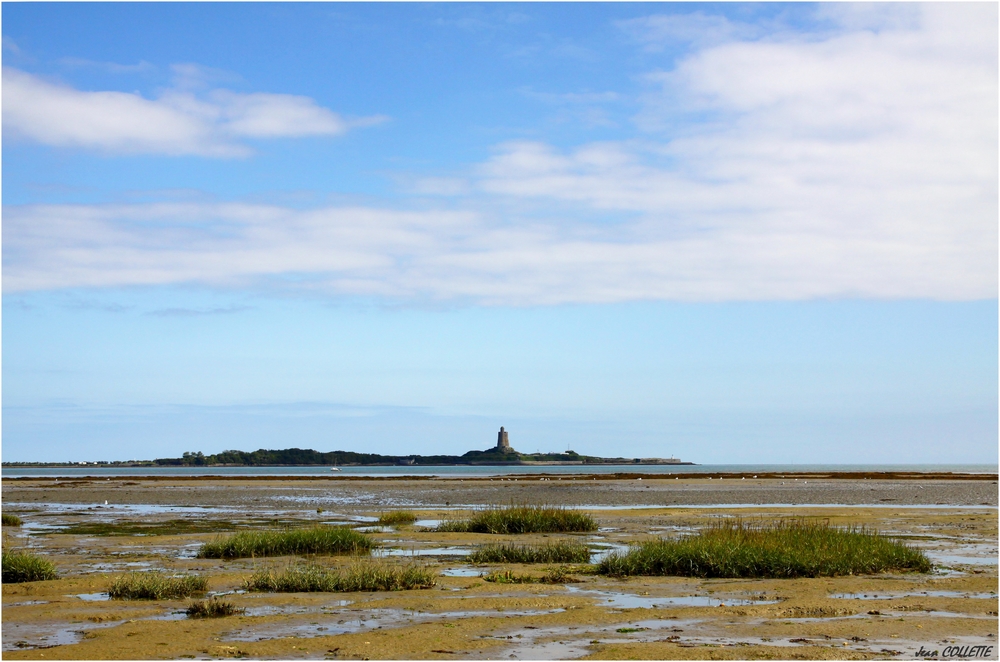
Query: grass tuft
[[155, 586], [372, 576], [397, 517], [507, 576], [522, 519], [10, 520], [786, 548], [21, 566], [560, 552], [213, 608], [560, 575], [317, 540]]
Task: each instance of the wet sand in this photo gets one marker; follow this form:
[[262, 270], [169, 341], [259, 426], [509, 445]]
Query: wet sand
[[464, 617]]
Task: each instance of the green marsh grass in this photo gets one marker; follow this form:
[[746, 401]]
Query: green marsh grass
[[560, 552], [787, 548], [10, 520], [397, 517], [316, 540], [522, 519], [507, 576], [22, 566], [560, 575], [213, 608], [372, 576], [155, 586]]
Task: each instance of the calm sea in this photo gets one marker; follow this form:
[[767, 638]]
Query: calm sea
[[458, 471]]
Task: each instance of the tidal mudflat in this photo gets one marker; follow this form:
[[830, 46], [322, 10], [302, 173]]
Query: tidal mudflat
[[93, 531]]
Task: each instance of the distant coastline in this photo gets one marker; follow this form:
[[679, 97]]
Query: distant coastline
[[297, 457]]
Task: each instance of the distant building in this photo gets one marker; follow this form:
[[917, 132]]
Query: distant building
[[503, 444]]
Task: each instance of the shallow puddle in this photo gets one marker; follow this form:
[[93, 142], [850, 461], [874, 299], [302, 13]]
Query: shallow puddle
[[38, 527], [424, 551], [134, 566], [45, 634], [631, 601], [18, 636], [291, 609], [934, 613], [324, 624], [574, 642], [552, 650], [887, 614], [113, 509], [930, 594], [498, 611], [351, 621], [461, 572], [93, 597], [358, 499], [984, 557], [605, 549], [264, 633], [680, 530]]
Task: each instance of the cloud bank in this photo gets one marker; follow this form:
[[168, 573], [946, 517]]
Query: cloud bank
[[180, 122], [861, 162], [465, 256]]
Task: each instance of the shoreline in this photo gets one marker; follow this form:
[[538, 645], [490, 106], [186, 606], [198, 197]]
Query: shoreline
[[772, 475]]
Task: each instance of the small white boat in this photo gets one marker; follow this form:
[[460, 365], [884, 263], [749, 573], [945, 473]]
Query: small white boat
[[334, 468]]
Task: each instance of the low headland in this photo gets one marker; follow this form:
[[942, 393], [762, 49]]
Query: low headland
[[306, 457]]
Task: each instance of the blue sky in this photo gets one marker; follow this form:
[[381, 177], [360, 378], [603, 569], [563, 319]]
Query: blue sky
[[724, 232]]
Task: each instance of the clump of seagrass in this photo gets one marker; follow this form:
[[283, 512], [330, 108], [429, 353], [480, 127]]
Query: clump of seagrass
[[507, 576], [560, 552], [213, 608], [396, 517], [522, 519], [316, 540], [560, 575], [9, 519], [372, 576], [21, 566], [155, 586], [787, 548]]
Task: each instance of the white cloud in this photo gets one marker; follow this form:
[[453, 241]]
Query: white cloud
[[211, 123], [871, 15], [660, 31], [862, 162], [449, 255], [343, 249]]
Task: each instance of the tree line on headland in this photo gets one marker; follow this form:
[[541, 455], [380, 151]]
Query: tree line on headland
[[299, 456], [307, 457]]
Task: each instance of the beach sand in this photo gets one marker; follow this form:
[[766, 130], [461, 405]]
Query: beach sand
[[463, 617]]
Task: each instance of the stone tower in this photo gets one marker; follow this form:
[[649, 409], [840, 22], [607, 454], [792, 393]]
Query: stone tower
[[503, 445]]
